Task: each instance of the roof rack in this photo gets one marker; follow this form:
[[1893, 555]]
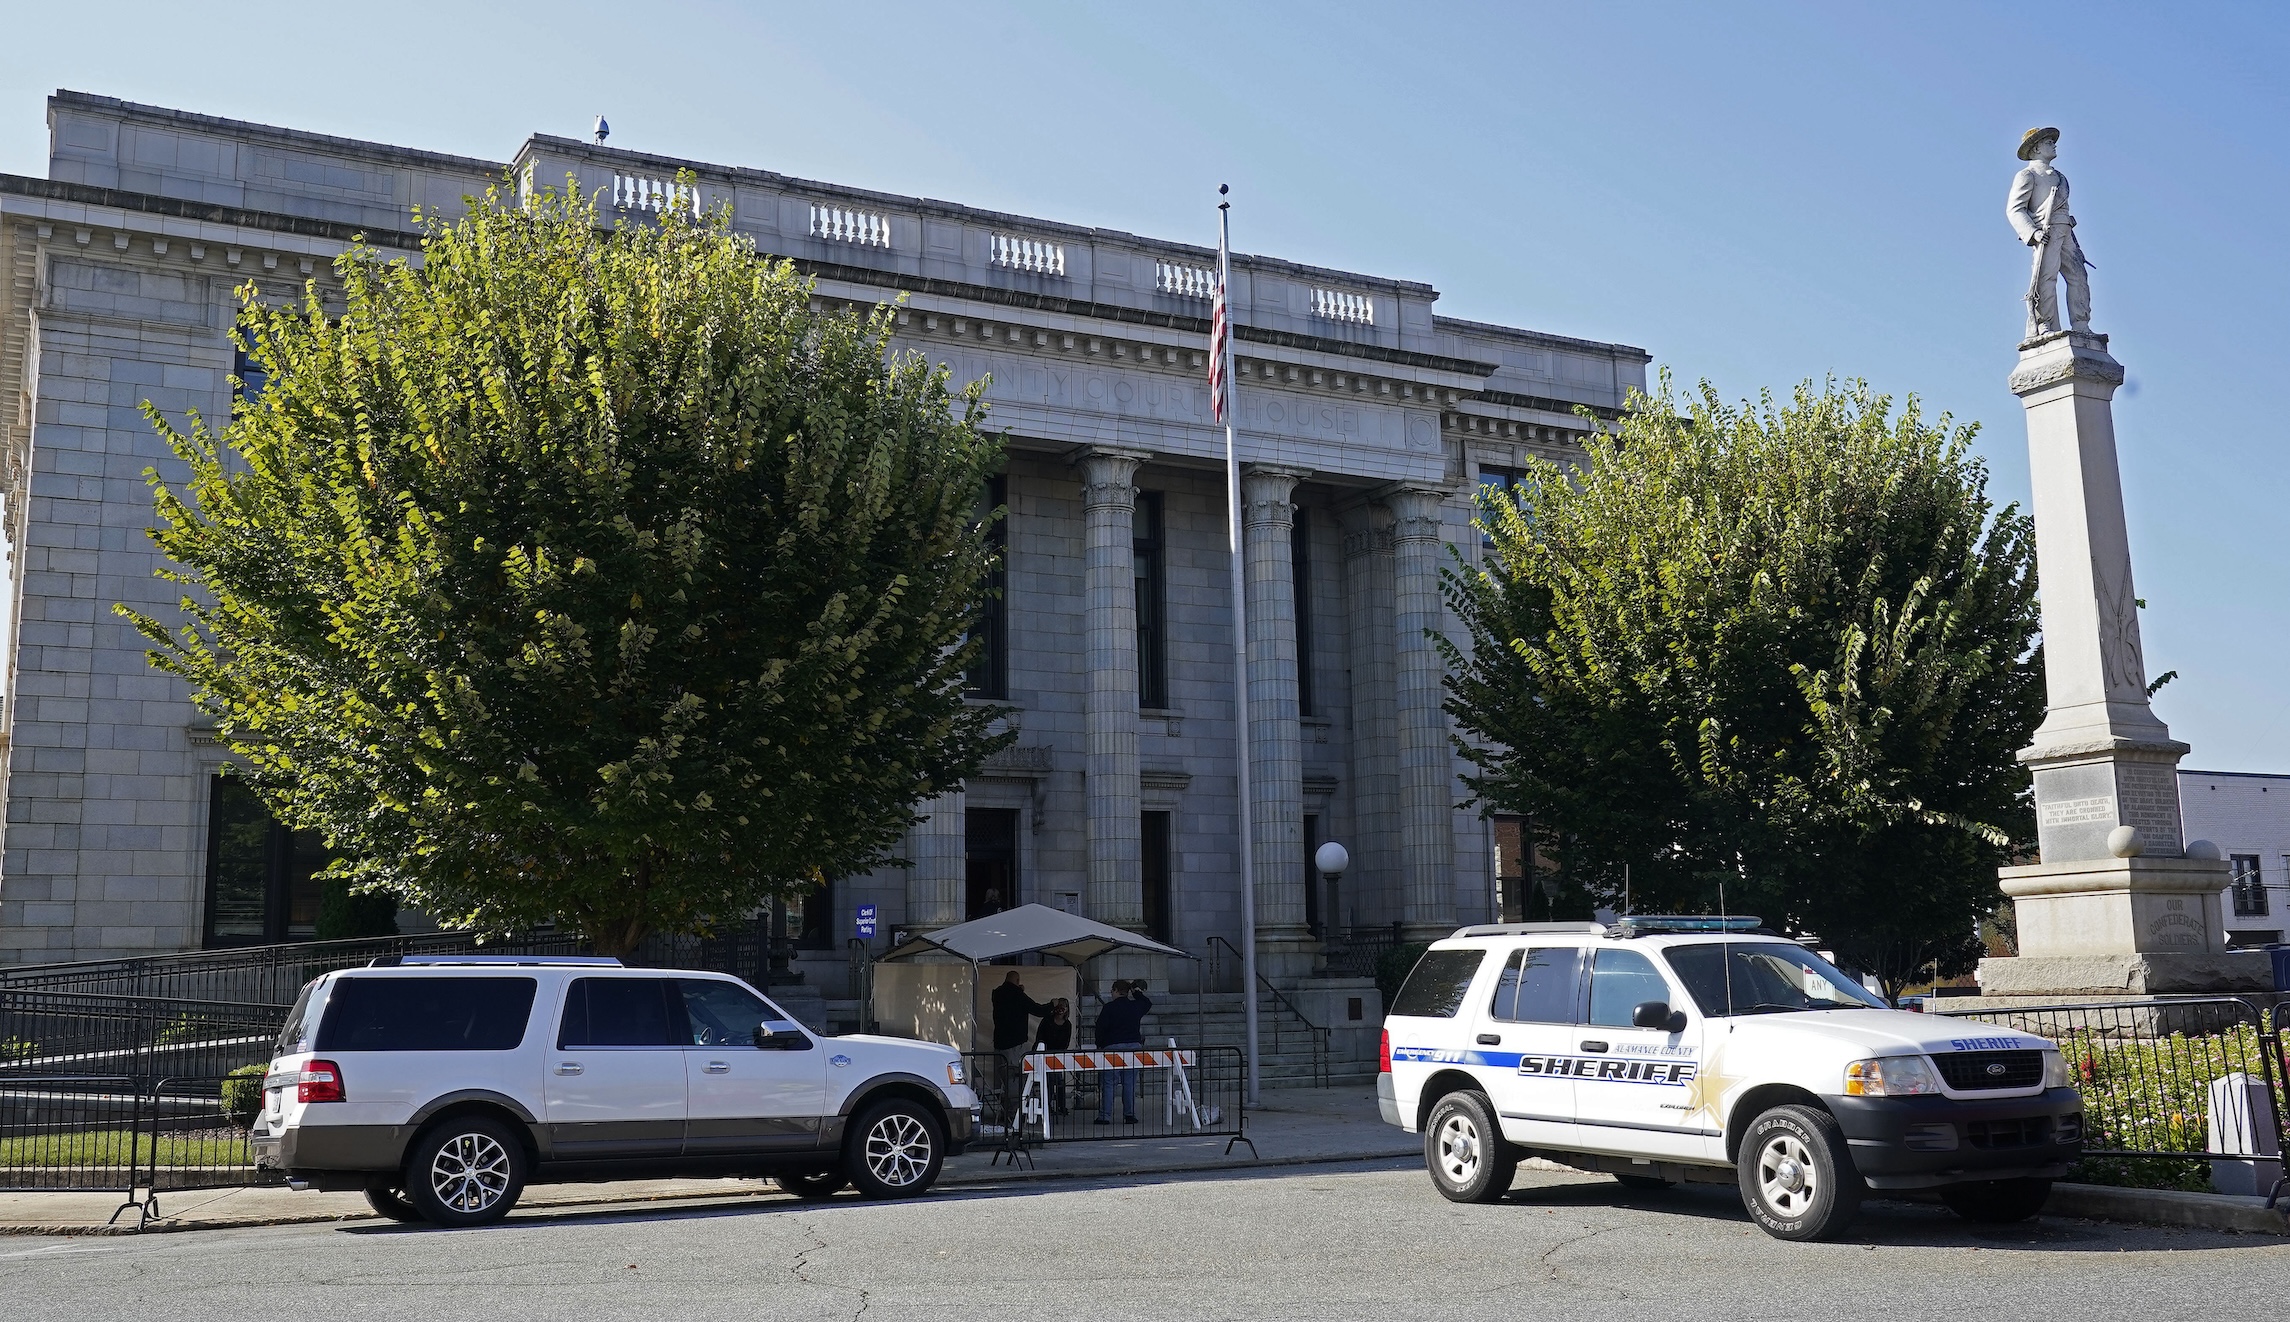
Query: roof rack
[[1667, 924], [1532, 929], [491, 961]]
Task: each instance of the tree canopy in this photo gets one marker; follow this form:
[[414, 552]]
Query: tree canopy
[[583, 574], [1788, 648]]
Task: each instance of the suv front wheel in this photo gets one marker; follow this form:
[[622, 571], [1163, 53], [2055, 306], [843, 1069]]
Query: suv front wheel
[[467, 1170], [1465, 1151], [895, 1149], [1797, 1175]]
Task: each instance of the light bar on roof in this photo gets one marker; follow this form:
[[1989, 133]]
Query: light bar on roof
[[1650, 923]]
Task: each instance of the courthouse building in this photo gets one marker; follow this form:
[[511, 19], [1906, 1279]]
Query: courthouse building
[[1367, 420]]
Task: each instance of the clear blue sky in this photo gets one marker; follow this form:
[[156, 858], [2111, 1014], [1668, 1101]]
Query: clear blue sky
[[1754, 193]]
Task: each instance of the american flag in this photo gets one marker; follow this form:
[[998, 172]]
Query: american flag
[[1219, 332]]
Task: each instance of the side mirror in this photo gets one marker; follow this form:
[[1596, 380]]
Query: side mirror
[[790, 1040], [1658, 1014]]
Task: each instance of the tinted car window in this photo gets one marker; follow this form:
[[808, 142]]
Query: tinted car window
[[1442, 978], [1619, 981], [723, 1015], [1538, 986], [426, 1014], [623, 1012]]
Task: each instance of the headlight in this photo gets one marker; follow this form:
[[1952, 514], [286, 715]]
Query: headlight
[[2055, 1071], [1891, 1076], [954, 1072]]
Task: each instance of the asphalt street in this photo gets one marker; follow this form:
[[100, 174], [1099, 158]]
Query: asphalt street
[[1357, 1241]]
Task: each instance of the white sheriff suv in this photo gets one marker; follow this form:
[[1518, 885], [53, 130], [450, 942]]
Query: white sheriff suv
[[442, 1086], [1665, 1049]]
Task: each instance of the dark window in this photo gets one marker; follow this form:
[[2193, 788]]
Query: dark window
[[1152, 601], [252, 379], [1312, 910], [1514, 866], [622, 1012], [1538, 986], [811, 918], [1300, 566], [989, 675], [2249, 887], [1436, 987], [261, 877], [1621, 981], [426, 1014], [990, 861], [1153, 838], [1505, 481], [723, 1014]]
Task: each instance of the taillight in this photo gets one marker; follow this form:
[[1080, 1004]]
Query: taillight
[[1383, 1054], [321, 1082]]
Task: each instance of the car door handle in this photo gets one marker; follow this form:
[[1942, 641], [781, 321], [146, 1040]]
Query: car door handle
[[1490, 1039], [1594, 1046], [717, 1067], [568, 1067]]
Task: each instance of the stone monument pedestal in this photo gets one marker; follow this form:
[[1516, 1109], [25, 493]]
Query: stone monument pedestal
[[2123, 927]]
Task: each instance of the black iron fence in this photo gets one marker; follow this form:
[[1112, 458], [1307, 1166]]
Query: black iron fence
[[2158, 1074]]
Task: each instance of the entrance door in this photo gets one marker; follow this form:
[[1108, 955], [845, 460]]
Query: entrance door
[[615, 1085], [1531, 1022], [744, 1097], [1634, 1096], [990, 861]]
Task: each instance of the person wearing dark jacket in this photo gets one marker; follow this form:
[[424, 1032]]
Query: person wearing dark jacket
[[1121, 1027], [1013, 1033], [1056, 1034]]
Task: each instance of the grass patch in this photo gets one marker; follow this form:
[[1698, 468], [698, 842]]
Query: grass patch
[[119, 1148]]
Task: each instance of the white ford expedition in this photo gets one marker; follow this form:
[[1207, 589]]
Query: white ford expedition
[[442, 1086], [1669, 1049]]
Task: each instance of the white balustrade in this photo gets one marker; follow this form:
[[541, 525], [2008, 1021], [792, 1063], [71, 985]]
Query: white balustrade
[[1184, 281], [658, 196], [1344, 305], [1019, 254], [866, 229]]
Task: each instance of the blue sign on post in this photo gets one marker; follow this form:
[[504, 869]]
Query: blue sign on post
[[866, 920]]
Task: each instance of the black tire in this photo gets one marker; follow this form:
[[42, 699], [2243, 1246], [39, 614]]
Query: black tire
[[1463, 1148], [465, 1170], [1997, 1202], [1797, 1176], [894, 1149], [813, 1186], [1644, 1183], [387, 1202]]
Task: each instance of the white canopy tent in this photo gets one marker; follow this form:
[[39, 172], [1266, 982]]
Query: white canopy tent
[[945, 999]]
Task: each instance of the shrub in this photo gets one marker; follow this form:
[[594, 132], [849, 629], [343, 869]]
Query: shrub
[[242, 1094]]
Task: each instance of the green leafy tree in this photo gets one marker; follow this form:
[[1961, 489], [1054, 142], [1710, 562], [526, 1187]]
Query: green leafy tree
[[583, 575], [1788, 650]]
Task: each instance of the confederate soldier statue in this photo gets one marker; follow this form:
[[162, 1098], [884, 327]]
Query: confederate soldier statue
[[2038, 211]]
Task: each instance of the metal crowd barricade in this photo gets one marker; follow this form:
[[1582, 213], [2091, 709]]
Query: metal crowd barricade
[[2146, 1069], [1181, 1092]]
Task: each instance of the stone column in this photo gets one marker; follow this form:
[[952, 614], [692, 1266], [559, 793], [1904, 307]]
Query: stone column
[[2117, 904], [1285, 949], [1115, 889], [1372, 885], [937, 884], [1426, 763]]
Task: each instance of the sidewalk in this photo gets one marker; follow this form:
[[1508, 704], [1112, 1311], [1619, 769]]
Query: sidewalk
[[1293, 1126]]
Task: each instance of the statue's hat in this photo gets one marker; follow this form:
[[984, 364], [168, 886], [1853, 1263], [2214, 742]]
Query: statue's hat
[[2029, 140]]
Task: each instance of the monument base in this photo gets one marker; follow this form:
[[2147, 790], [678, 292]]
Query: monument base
[[2153, 973], [2119, 906]]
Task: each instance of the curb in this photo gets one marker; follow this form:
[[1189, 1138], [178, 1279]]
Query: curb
[[2168, 1207]]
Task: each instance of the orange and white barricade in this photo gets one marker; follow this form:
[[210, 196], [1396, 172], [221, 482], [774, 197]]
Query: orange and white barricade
[[1034, 1102]]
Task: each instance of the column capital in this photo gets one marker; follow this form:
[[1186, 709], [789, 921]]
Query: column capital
[[1265, 492], [1415, 512], [1367, 530], [1106, 474]]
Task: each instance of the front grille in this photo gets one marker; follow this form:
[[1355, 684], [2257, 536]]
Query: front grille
[[1978, 1071], [2007, 1133]]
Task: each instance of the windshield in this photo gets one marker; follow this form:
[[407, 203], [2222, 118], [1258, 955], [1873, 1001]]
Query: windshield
[[1766, 977]]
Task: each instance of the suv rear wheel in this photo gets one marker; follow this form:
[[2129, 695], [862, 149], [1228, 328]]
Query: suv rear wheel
[[1997, 1202], [466, 1170], [1797, 1176], [383, 1196], [1465, 1152], [811, 1186], [895, 1149]]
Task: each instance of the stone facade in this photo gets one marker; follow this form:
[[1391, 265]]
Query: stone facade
[[1366, 419]]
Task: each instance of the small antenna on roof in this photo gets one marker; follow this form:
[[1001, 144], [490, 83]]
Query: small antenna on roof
[[603, 130], [1626, 890]]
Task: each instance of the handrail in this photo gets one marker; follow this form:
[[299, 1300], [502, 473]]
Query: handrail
[[1324, 1038]]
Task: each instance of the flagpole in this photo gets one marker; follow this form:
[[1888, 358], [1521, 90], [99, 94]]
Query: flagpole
[[1247, 843]]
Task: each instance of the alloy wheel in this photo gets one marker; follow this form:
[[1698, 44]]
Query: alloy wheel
[[898, 1150], [470, 1172]]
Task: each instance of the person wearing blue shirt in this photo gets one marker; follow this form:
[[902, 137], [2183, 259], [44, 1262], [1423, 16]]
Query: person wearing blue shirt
[[1121, 1027]]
